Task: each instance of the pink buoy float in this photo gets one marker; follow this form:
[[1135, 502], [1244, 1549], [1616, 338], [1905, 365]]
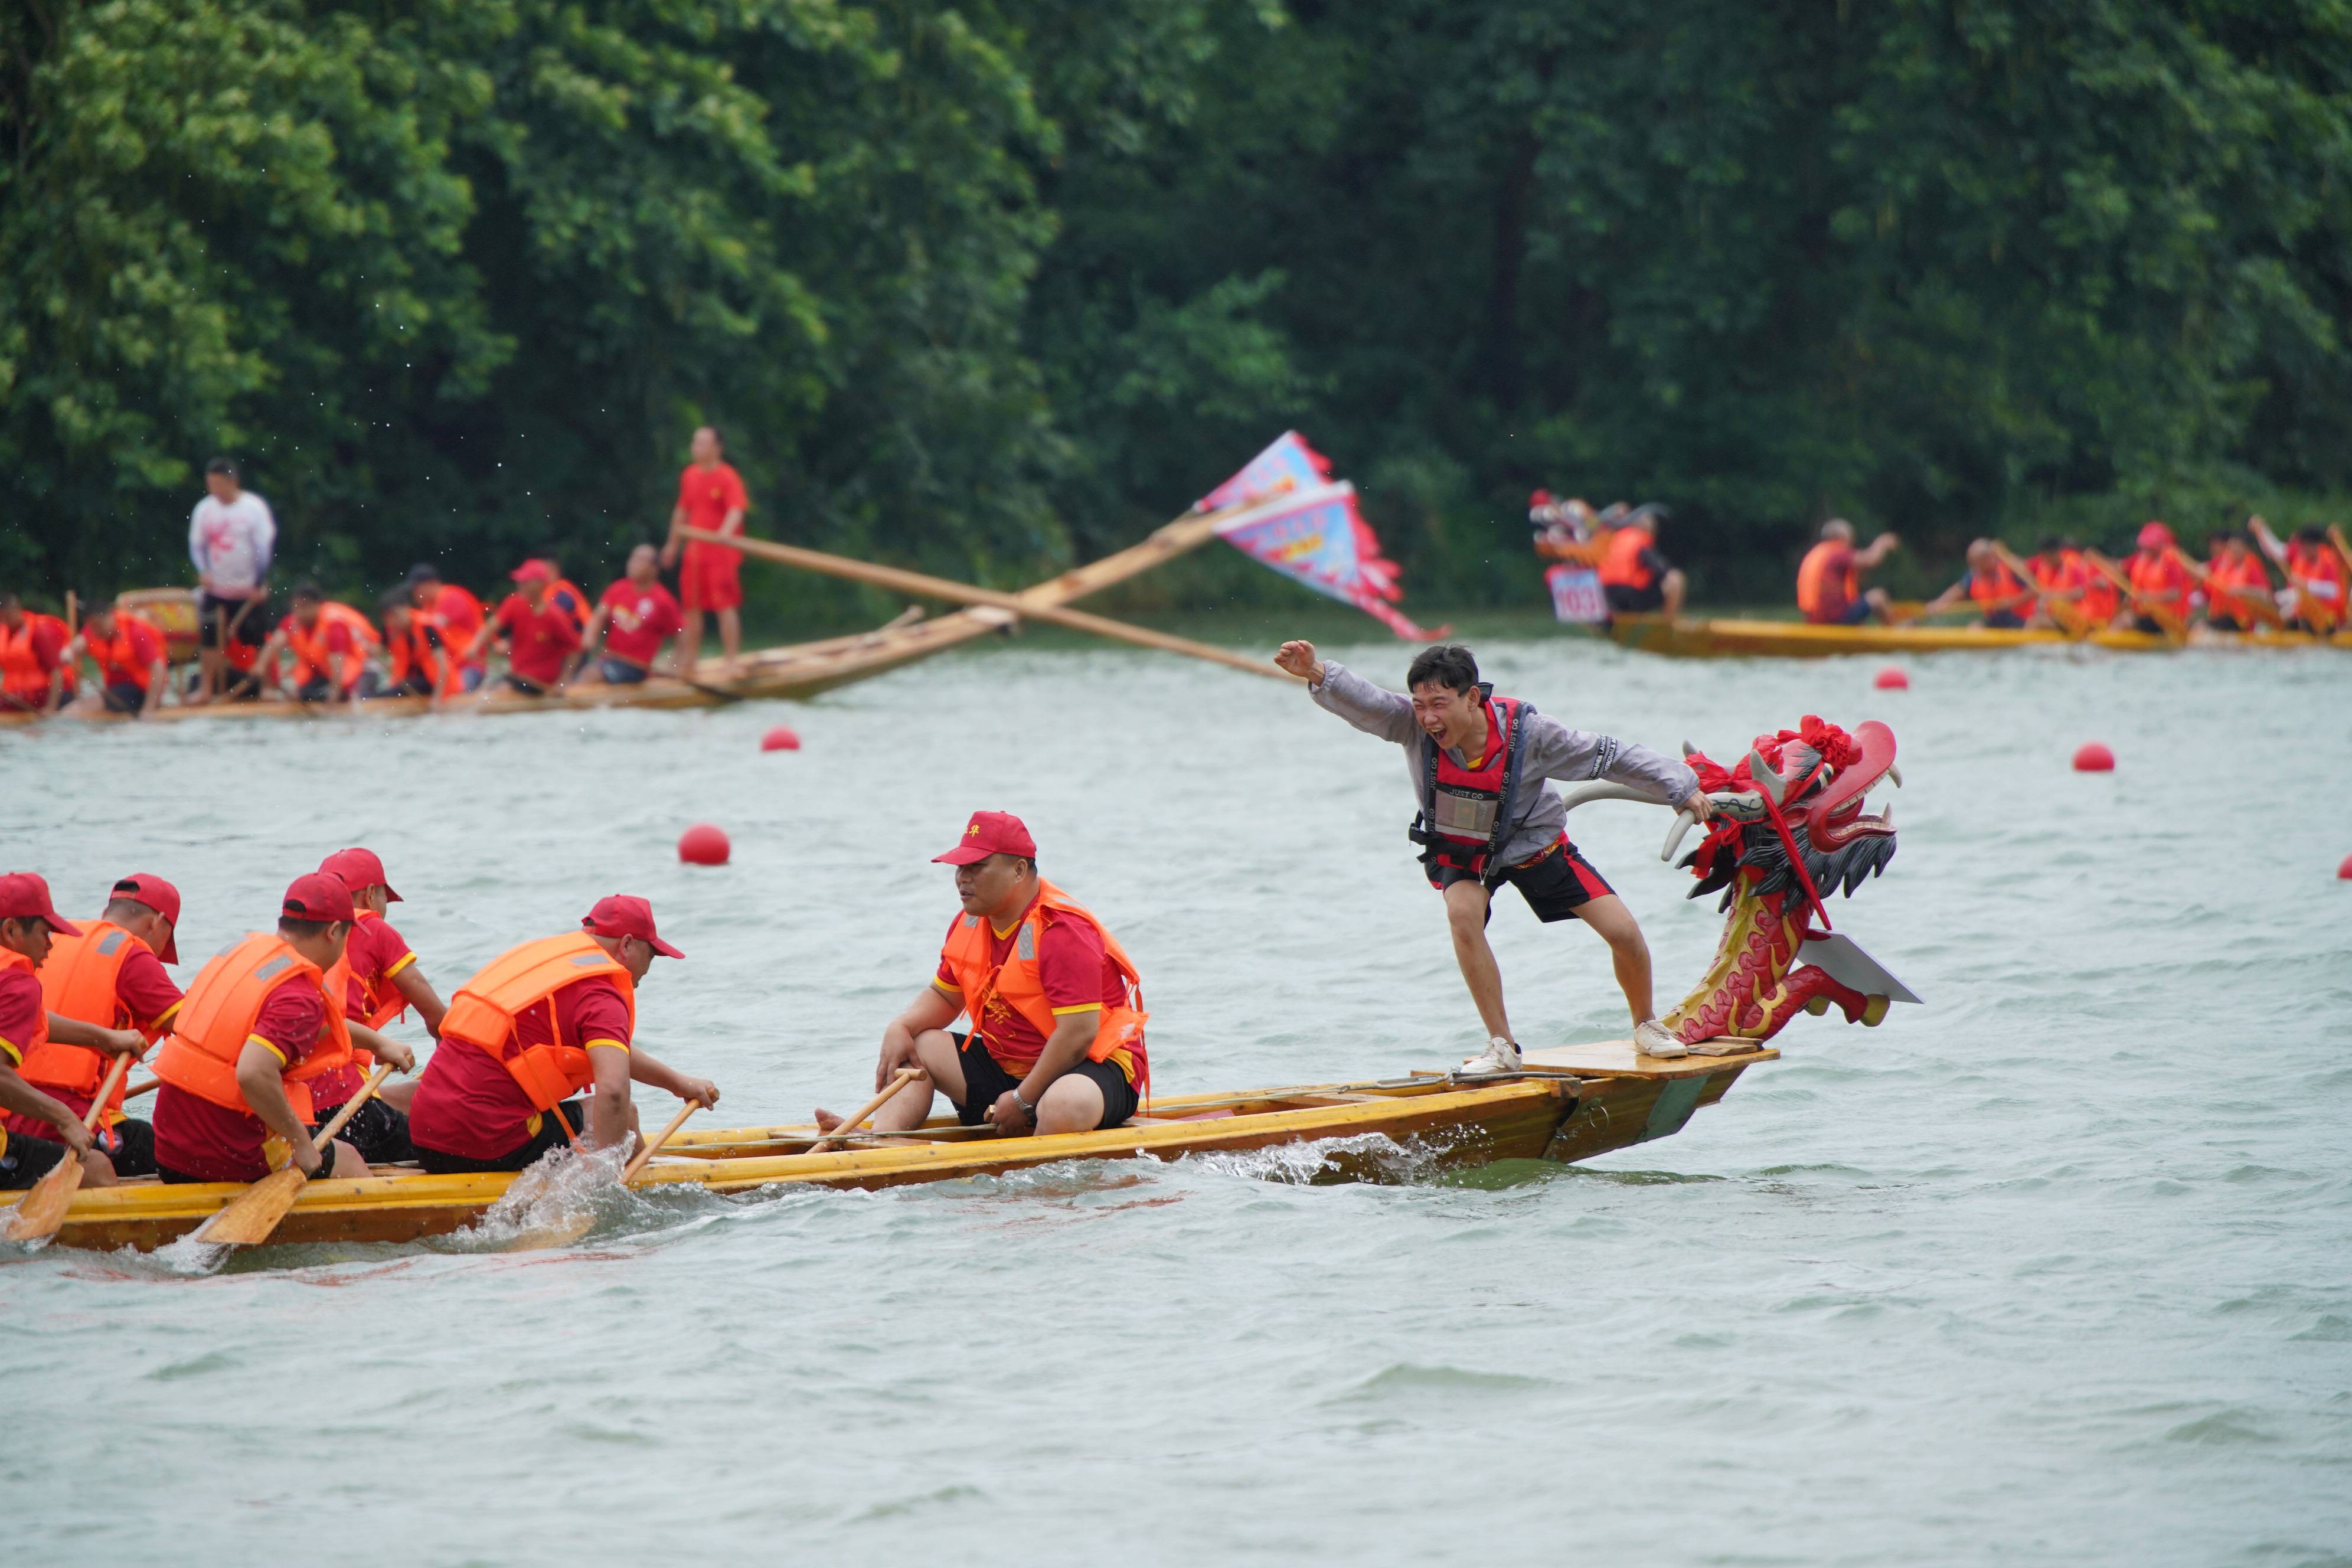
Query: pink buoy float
[[1892, 678], [2093, 758], [783, 738], [704, 845], [2343, 873]]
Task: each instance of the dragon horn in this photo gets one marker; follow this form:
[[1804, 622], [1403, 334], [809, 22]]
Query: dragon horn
[[1771, 783], [1685, 820], [1570, 799], [1689, 750]]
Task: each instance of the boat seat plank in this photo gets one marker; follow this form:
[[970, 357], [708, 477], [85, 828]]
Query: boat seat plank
[[1617, 1059]]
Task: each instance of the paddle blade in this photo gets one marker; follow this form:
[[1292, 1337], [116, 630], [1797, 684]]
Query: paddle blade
[[251, 1220], [40, 1211]]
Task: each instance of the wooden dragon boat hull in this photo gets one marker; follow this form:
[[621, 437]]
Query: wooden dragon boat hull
[[1690, 638], [1573, 1103], [797, 670]]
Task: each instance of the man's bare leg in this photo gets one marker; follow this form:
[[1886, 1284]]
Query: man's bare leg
[[689, 643], [731, 638], [1615, 925], [1671, 589], [1466, 917], [911, 1106]]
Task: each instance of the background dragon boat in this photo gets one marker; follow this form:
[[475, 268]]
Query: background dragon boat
[[1689, 636], [1792, 827]]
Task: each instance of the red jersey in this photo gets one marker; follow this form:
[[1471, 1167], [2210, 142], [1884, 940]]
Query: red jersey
[[213, 1144], [709, 494], [470, 1106], [460, 615], [1078, 975], [21, 1015], [541, 641], [376, 953], [637, 619]]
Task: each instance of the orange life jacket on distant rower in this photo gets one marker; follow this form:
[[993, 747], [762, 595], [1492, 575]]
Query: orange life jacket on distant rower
[[1020, 986], [461, 616], [119, 660], [215, 1019], [1997, 590], [2101, 599], [21, 675], [78, 981], [2160, 581], [1813, 586], [312, 657], [2240, 589], [423, 649], [2318, 575], [483, 1012], [1620, 558]]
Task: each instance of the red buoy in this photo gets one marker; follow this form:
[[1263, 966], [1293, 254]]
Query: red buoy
[[2094, 758], [1892, 678], [2343, 873], [703, 844], [783, 738]]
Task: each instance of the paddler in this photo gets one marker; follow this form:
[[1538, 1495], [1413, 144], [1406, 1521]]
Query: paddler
[[2160, 583], [258, 1026], [2061, 573], [1487, 818], [418, 658], [109, 977], [710, 495], [1055, 1042], [27, 922], [2001, 600], [381, 981], [1828, 580], [454, 609], [2316, 573], [540, 639], [331, 643], [633, 619], [540, 1024], [128, 649], [2238, 593], [35, 676], [1634, 578]]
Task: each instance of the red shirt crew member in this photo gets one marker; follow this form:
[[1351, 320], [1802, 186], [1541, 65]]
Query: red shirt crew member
[[710, 495], [27, 921], [635, 617], [540, 638], [381, 982]]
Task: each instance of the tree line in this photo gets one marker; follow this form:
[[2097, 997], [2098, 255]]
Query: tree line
[[988, 288]]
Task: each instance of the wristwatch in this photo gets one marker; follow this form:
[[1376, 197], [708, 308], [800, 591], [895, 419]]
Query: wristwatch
[[1027, 1110]]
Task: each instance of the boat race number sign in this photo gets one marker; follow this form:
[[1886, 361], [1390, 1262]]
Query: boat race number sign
[[1576, 596]]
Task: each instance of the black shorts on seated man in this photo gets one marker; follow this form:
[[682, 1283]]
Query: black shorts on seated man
[[1056, 1036]]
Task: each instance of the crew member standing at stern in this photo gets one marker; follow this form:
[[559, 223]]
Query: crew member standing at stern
[[1486, 817], [1056, 1039], [710, 495]]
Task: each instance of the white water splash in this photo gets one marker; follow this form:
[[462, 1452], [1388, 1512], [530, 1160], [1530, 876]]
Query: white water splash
[[557, 1201]]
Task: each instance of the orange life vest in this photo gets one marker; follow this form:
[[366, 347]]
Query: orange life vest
[[2318, 575], [119, 663], [11, 959], [78, 981], [483, 1012], [2160, 581], [1996, 590], [1020, 986], [2240, 589], [312, 657], [208, 1034], [461, 616], [417, 652], [1813, 581], [1620, 558], [21, 675], [2100, 599]]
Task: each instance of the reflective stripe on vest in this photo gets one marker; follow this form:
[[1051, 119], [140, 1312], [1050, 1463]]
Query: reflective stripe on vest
[[78, 981], [482, 1013], [1020, 984], [216, 1017]]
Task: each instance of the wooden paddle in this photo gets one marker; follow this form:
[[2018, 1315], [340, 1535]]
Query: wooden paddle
[[136, 1089], [252, 1218], [906, 1076], [42, 1210], [926, 586], [637, 1164], [2069, 618]]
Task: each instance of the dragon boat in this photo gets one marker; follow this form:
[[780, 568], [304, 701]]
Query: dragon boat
[[1701, 637], [1791, 830]]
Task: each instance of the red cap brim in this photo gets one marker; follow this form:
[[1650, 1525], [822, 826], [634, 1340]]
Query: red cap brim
[[170, 953], [61, 925], [391, 897], [962, 854], [663, 948]]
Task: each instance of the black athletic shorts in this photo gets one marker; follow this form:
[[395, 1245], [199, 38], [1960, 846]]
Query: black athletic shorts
[[318, 688], [621, 672], [985, 1082], [129, 1147], [524, 684], [27, 1160], [550, 1136], [377, 1130], [1554, 884], [1628, 600], [122, 697], [214, 614], [2004, 621]]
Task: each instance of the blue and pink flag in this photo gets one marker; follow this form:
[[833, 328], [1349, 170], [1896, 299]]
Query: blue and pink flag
[[1321, 541]]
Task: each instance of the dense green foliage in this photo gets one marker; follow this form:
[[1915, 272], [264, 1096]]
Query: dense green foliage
[[987, 287]]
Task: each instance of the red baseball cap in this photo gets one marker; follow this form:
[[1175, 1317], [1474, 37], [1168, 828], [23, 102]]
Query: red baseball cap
[[990, 833], [317, 897], [533, 571], [146, 888], [1539, 497], [620, 914], [2154, 536], [359, 869], [25, 896]]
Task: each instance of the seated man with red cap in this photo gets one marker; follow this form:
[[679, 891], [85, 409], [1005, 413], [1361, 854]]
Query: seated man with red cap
[[540, 1024], [1055, 1042], [2160, 583], [110, 978], [539, 638], [27, 922], [258, 1026], [380, 982]]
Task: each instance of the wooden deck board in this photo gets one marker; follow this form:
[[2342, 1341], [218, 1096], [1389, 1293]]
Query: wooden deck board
[[1616, 1059]]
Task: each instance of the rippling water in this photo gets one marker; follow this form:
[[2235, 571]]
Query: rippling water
[[2052, 1269]]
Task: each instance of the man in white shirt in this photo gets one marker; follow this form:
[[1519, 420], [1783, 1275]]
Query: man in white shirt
[[230, 536]]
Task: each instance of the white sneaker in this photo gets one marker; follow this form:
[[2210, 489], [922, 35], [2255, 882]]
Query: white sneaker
[[1499, 1057], [1651, 1038]]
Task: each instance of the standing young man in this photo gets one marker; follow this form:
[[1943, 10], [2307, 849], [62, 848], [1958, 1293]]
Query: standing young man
[[231, 535], [1486, 817], [710, 495]]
